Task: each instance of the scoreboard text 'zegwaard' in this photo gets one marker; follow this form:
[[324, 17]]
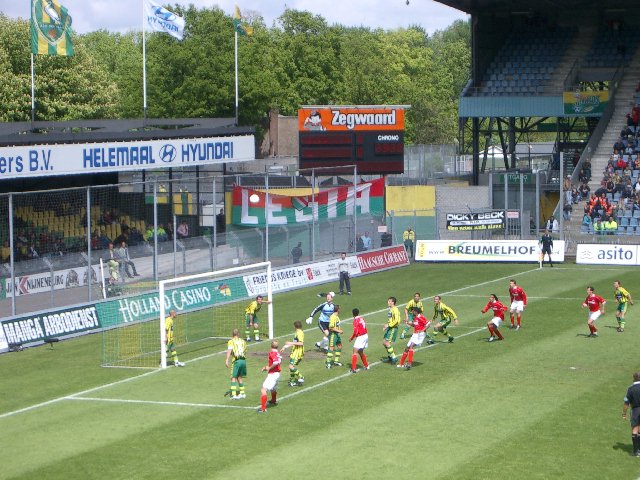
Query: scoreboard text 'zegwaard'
[[371, 137]]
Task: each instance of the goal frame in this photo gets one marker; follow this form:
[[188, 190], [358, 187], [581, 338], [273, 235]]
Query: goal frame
[[163, 285]]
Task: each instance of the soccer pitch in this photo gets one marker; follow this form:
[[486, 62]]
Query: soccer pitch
[[543, 404]]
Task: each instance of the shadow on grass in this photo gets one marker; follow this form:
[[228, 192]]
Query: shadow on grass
[[625, 447]]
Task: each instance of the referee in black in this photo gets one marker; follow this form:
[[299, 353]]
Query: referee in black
[[632, 398]]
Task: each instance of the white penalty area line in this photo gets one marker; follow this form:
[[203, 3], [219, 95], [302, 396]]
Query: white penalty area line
[[155, 402], [528, 297], [153, 372]]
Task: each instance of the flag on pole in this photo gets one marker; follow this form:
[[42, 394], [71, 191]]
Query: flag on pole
[[241, 27], [50, 28], [159, 19]]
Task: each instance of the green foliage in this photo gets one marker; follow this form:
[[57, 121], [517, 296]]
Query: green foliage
[[66, 87], [301, 60]]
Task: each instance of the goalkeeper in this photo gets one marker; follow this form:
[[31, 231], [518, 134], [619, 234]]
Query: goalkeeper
[[326, 309], [171, 346]]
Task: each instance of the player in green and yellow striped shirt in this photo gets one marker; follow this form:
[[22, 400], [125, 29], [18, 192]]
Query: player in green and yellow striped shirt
[[335, 341], [237, 351], [297, 354], [408, 313], [391, 330], [170, 339], [446, 314], [623, 297], [251, 318]]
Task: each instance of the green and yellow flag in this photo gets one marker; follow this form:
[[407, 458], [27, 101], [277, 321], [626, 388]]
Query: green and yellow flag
[[50, 28], [241, 27]]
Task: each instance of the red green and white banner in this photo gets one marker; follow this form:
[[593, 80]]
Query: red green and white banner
[[250, 206]]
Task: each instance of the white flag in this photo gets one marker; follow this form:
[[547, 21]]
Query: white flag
[[160, 19]]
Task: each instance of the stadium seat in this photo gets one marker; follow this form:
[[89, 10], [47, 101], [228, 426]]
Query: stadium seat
[[624, 222]]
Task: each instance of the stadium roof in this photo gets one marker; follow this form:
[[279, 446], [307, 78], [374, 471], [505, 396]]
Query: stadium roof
[[530, 6]]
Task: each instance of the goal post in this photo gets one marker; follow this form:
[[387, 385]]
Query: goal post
[[231, 290]]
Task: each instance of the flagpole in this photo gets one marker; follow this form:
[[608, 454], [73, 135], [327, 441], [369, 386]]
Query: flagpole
[[33, 93], [144, 67], [236, 71]]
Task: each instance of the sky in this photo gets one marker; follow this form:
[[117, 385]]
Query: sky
[[124, 15]]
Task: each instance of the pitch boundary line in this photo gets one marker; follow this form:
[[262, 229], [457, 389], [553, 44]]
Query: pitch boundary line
[[136, 377]]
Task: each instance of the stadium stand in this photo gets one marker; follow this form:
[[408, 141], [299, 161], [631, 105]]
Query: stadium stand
[[525, 63]]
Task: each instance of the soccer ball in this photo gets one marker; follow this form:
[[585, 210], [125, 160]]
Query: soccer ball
[[309, 320]]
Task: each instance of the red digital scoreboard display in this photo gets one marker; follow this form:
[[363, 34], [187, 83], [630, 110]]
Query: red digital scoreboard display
[[372, 139], [372, 152]]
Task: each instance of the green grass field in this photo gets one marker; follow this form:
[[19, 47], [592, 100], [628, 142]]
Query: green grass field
[[544, 404]]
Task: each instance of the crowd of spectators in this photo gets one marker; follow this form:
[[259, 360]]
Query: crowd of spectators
[[618, 195]]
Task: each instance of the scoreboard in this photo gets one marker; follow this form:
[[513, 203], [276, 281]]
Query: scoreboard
[[370, 138]]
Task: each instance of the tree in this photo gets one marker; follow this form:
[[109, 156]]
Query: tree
[[66, 87]]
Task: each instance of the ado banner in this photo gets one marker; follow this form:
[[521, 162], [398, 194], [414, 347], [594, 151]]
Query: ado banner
[[250, 206]]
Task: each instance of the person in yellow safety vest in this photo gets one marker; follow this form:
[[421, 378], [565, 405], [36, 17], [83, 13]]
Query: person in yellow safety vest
[[598, 227], [408, 237], [611, 226]]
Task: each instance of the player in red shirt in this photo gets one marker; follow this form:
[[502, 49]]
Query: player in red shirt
[[362, 341], [420, 325], [518, 302], [498, 316], [273, 375], [596, 308]]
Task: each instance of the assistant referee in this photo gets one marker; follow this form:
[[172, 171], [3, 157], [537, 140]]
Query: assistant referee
[[632, 398]]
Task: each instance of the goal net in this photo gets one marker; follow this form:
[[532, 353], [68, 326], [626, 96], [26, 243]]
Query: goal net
[[208, 306]]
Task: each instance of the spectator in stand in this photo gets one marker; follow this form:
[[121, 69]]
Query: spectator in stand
[[32, 253], [366, 241], [148, 234], [611, 226], [566, 185], [621, 163], [168, 229], [552, 225], [598, 227], [627, 192], [584, 190], [135, 237], [619, 145], [636, 186], [95, 240], [103, 240], [59, 248], [566, 211], [586, 168], [183, 229], [296, 253], [583, 177], [123, 237], [586, 219], [629, 121], [126, 262], [5, 256]]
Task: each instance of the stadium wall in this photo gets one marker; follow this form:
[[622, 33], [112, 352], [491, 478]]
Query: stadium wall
[[53, 325]]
